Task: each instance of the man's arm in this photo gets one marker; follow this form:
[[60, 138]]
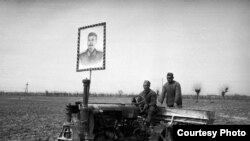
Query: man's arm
[[152, 99], [178, 97], [162, 96]]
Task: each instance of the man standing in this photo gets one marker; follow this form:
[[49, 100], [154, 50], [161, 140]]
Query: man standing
[[91, 56], [172, 91], [149, 100]]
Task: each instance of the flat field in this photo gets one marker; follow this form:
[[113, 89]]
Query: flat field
[[41, 118]]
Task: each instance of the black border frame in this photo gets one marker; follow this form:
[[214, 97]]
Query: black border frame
[[104, 47]]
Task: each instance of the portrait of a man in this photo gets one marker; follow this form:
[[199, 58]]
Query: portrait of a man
[[91, 47], [91, 55]]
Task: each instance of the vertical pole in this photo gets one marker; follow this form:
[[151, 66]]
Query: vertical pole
[[90, 73], [27, 88]]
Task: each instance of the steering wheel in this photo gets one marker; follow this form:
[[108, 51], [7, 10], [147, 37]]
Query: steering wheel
[[139, 101]]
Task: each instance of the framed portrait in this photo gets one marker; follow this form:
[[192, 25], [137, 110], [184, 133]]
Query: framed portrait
[[91, 47]]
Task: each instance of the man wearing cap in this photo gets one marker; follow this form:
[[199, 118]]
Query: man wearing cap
[[172, 92], [149, 100]]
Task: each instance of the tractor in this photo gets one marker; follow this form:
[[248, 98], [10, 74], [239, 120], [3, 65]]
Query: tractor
[[125, 122]]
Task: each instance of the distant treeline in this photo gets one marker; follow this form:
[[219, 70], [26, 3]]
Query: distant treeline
[[68, 94], [211, 97]]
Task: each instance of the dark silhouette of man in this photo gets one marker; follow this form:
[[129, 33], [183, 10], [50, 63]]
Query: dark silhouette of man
[[148, 97], [172, 92], [91, 56]]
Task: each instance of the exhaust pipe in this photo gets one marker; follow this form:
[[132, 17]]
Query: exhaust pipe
[[85, 113]]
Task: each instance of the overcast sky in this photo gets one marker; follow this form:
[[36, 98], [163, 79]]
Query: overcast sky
[[203, 42]]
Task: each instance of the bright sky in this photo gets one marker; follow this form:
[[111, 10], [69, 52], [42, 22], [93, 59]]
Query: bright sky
[[203, 42]]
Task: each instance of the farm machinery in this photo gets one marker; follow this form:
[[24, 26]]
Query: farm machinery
[[124, 122]]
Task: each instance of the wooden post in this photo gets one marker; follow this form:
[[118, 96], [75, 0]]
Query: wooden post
[[90, 74]]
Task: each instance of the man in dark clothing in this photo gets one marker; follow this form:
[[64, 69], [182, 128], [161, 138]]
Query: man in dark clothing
[[147, 100], [172, 91]]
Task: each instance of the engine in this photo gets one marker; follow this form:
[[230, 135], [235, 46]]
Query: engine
[[111, 122]]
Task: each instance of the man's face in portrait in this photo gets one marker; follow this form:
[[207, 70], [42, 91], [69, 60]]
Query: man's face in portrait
[[91, 43]]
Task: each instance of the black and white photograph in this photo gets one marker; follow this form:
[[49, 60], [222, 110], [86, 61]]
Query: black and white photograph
[[124, 70], [92, 47]]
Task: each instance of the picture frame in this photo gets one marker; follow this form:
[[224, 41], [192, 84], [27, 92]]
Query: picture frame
[[91, 47]]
